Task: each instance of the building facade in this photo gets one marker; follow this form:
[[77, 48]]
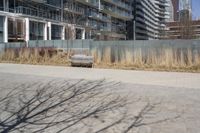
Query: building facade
[[175, 4], [185, 5], [181, 8], [185, 9], [184, 30], [149, 20], [183, 27], [171, 11], [24, 20]]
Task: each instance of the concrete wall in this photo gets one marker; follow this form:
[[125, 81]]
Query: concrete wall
[[147, 52], [119, 45], [66, 44], [93, 44], [114, 45], [2, 47]]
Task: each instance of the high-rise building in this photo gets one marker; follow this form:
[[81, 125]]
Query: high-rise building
[[190, 30], [184, 27], [185, 9], [170, 9], [182, 9], [175, 4], [107, 18], [149, 19], [24, 20], [185, 5]]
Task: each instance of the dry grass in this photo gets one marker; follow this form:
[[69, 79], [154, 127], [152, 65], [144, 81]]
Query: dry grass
[[35, 56], [184, 60]]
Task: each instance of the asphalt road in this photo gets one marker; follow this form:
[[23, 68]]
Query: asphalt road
[[170, 79], [179, 93]]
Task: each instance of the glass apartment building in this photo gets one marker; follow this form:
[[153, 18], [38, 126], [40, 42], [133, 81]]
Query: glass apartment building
[[185, 10], [149, 21], [24, 20]]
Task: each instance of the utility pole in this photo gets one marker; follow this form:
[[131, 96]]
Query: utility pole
[[62, 10], [134, 19], [99, 5]]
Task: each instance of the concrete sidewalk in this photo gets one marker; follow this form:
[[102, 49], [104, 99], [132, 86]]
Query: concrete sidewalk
[[170, 79]]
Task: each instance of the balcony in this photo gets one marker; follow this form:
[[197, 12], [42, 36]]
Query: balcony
[[39, 1], [1, 8], [90, 3], [120, 4], [74, 8], [116, 13], [37, 13], [98, 16]]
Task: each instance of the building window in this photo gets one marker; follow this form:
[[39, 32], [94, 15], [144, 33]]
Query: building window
[[56, 32], [54, 2], [1, 5], [11, 6], [78, 33], [1, 28], [36, 30], [16, 32]]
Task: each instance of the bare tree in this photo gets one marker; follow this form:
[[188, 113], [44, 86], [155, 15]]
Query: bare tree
[[187, 31], [74, 15], [81, 106]]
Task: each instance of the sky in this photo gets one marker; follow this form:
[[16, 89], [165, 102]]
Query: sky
[[196, 9]]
